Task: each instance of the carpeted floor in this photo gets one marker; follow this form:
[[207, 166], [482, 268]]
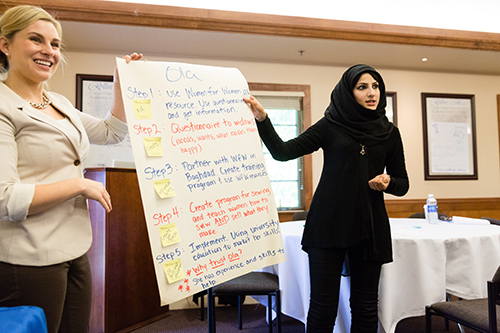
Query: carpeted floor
[[254, 320], [188, 321]]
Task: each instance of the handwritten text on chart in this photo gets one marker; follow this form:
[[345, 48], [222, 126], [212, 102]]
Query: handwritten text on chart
[[219, 256], [202, 174], [189, 137]]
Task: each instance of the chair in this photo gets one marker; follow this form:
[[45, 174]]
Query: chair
[[24, 318], [481, 315], [231, 300], [302, 215], [253, 283], [492, 220], [421, 215]]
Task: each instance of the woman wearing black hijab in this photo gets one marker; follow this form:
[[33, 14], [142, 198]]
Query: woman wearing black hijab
[[347, 214]]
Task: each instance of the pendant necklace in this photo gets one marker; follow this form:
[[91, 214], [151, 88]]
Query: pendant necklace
[[40, 106], [363, 151]]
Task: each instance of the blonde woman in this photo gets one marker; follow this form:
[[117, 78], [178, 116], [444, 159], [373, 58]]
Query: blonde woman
[[45, 229]]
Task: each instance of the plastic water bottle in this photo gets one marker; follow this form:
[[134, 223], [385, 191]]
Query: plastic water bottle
[[432, 210]]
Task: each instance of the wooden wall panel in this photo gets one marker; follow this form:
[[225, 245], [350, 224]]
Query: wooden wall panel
[[468, 207], [125, 291]]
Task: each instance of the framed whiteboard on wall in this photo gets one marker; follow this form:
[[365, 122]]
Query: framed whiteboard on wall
[[94, 96], [449, 130]]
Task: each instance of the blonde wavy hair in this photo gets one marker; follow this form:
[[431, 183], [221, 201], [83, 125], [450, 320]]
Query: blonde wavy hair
[[18, 18]]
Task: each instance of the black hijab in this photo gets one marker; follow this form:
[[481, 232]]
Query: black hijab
[[368, 127]]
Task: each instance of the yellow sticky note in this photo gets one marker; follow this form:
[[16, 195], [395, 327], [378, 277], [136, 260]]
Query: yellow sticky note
[[169, 234], [164, 188], [142, 109], [153, 146], [173, 270]]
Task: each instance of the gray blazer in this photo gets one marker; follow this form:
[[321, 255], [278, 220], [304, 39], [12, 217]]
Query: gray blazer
[[37, 149]]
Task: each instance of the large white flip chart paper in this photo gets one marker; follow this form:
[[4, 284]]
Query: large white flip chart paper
[[209, 207]]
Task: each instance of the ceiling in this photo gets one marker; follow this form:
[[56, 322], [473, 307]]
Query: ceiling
[[166, 42]]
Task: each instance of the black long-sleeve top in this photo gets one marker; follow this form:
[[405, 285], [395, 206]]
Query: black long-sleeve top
[[344, 210]]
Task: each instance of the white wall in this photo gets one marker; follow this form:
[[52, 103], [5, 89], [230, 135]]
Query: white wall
[[408, 85]]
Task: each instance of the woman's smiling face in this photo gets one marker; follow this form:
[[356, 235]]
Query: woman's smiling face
[[34, 52], [367, 92]]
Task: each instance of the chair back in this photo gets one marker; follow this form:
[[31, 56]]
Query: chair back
[[492, 220], [300, 215], [496, 282], [421, 215], [493, 300], [496, 276]]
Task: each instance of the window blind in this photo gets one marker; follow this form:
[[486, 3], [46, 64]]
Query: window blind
[[279, 99]]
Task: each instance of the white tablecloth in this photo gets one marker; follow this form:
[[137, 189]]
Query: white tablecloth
[[429, 261]]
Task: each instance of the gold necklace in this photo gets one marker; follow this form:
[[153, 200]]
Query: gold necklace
[[40, 106]]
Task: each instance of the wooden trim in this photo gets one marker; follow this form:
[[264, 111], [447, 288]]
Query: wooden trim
[[308, 187], [110, 12], [468, 207], [286, 215], [306, 108]]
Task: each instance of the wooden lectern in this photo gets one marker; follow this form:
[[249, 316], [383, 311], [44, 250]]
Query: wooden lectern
[[125, 291]]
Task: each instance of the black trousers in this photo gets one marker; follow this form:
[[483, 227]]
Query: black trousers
[[63, 291], [325, 268]]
